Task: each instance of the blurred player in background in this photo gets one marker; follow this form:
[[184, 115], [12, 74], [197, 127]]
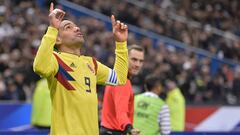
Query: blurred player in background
[[41, 106], [176, 103], [118, 101], [72, 77], [151, 113]]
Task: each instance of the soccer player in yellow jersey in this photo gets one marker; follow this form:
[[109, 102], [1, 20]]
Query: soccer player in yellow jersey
[[72, 77]]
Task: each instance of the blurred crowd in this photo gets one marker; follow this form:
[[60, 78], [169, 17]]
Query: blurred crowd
[[173, 18], [23, 23], [21, 26]]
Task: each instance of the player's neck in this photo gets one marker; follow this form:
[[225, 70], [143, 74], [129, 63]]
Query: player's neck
[[129, 76], [154, 90], [75, 51]]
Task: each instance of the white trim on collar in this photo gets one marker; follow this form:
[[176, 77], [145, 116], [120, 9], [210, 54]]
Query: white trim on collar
[[150, 94]]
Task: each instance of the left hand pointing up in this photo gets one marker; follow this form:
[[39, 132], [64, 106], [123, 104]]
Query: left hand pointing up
[[120, 30]]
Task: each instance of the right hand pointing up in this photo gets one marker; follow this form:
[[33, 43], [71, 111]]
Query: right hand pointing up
[[55, 16]]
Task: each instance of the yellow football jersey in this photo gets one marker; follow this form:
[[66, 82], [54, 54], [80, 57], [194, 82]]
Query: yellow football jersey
[[72, 80]]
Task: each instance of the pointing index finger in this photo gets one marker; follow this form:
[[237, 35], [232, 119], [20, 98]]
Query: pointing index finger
[[51, 7], [113, 20]]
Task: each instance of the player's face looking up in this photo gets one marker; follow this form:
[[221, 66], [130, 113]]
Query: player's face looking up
[[70, 35], [136, 59]]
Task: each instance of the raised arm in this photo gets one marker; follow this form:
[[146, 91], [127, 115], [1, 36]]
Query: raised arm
[[44, 63], [117, 75], [120, 32]]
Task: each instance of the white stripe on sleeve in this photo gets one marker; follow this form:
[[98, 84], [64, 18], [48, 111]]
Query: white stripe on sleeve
[[164, 120], [112, 77]]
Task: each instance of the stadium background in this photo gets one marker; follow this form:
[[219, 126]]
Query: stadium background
[[194, 42]]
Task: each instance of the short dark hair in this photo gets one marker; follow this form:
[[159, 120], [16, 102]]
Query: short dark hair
[[151, 81], [135, 47]]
